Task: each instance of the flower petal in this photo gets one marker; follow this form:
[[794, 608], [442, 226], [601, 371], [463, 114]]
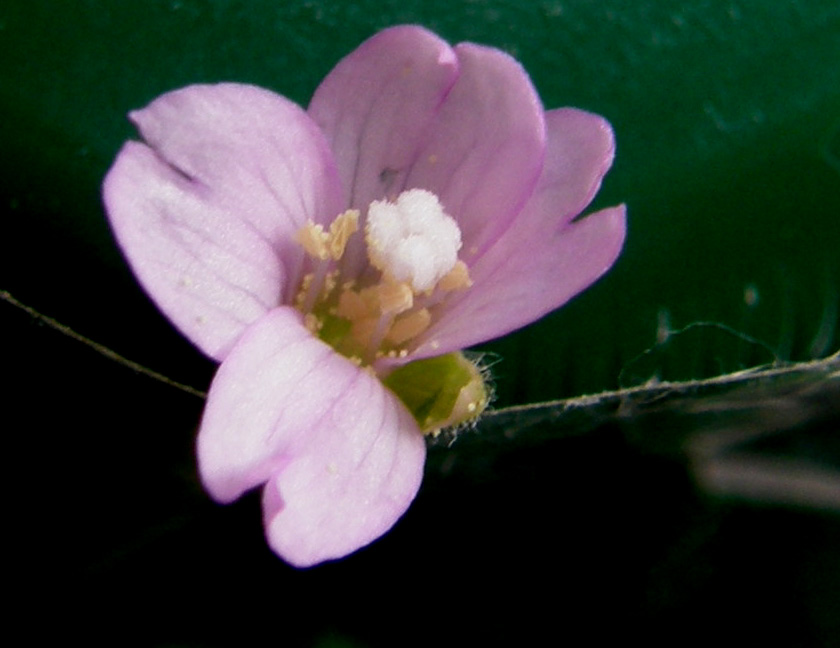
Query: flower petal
[[581, 148], [375, 107], [342, 456], [485, 148], [544, 259], [206, 212], [532, 284]]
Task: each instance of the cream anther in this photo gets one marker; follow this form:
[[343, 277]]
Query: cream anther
[[341, 229], [409, 326], [413, 240], [456, 279], [314, 240], [394, 298], [324, 245]]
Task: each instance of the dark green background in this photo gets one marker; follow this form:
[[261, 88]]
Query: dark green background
[[727, 118]]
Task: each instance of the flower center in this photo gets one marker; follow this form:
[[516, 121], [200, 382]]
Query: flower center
[[412, 245]]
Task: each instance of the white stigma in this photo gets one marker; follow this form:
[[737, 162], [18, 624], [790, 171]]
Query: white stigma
[[413, 240]]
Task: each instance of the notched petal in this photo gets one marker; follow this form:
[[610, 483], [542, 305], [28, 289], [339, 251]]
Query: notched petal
[[209, 271], [341, 456], [523, 287], [545, 257], [581, 148], [206, 210], [253, 148]]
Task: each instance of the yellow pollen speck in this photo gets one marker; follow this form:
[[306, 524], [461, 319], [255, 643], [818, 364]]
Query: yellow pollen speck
[[433, 159], [330, 282], [750, 295], [300, 298]]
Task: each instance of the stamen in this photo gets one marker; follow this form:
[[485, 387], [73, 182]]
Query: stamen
[[342, 228], [394, 298], [351, 306], [408, 326], [456, 279], [315, 285], [364, 329], [324, 247], [314, 240], [300, 298]]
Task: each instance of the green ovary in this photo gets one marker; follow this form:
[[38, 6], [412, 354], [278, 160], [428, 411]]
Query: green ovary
[[440, 392]]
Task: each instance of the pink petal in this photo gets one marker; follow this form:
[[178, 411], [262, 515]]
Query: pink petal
[[485, 150], [207, 211], [581, 148], [543, 260], [531, 285], [375, 107], [342, 456]]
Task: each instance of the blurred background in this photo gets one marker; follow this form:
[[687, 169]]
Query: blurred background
[[537, 527]]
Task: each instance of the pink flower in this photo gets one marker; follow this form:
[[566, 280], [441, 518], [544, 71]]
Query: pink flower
[[238, 214]]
